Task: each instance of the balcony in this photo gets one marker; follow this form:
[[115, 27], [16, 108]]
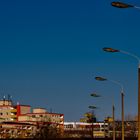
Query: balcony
[[14, 110], [13, 115]]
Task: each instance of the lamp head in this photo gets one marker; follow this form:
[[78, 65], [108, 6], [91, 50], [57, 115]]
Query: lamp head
[[92, 107], [100, 79], [110, 50], [121, 5], [94, 95]]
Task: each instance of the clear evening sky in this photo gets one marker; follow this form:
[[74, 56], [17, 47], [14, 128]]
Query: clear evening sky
[[51, 50]]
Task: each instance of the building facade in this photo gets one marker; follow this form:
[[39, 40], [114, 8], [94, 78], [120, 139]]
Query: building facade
[[83, 129], [20, 121]]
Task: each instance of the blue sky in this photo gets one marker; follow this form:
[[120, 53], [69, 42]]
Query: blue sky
[[50, 52]]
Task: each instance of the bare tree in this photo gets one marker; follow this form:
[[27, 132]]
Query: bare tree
[[130, 117], [48, 131]]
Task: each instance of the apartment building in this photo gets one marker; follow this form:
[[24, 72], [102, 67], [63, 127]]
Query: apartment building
[[40, 115], [10, 112], [25, 121], [7, 111]]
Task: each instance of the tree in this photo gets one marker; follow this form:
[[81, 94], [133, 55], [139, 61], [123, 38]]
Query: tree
[[48, 131]]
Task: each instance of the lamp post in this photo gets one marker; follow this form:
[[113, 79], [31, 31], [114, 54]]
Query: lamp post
[[93, 107], [123, 5], [113, 108], [92, 119], [137, 58]]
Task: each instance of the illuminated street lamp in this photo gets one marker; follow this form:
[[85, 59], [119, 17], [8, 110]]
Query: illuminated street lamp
[[123, 5], [122, 100], [136, 57]]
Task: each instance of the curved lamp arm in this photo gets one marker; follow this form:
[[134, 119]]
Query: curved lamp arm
[[124, 52], [112, 81], [133, 55], [119, 84]]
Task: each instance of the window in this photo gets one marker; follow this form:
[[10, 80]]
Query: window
[[33, 116]]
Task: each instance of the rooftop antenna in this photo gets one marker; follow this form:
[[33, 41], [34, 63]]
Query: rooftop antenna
[[4, 100], [9, 99], [4, 97], [50, 110]]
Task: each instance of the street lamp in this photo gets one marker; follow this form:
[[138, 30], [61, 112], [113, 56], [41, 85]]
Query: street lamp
[[138, 59], [93, 107], [123, 5], [124, 52], [113, 108], [92, 119]]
